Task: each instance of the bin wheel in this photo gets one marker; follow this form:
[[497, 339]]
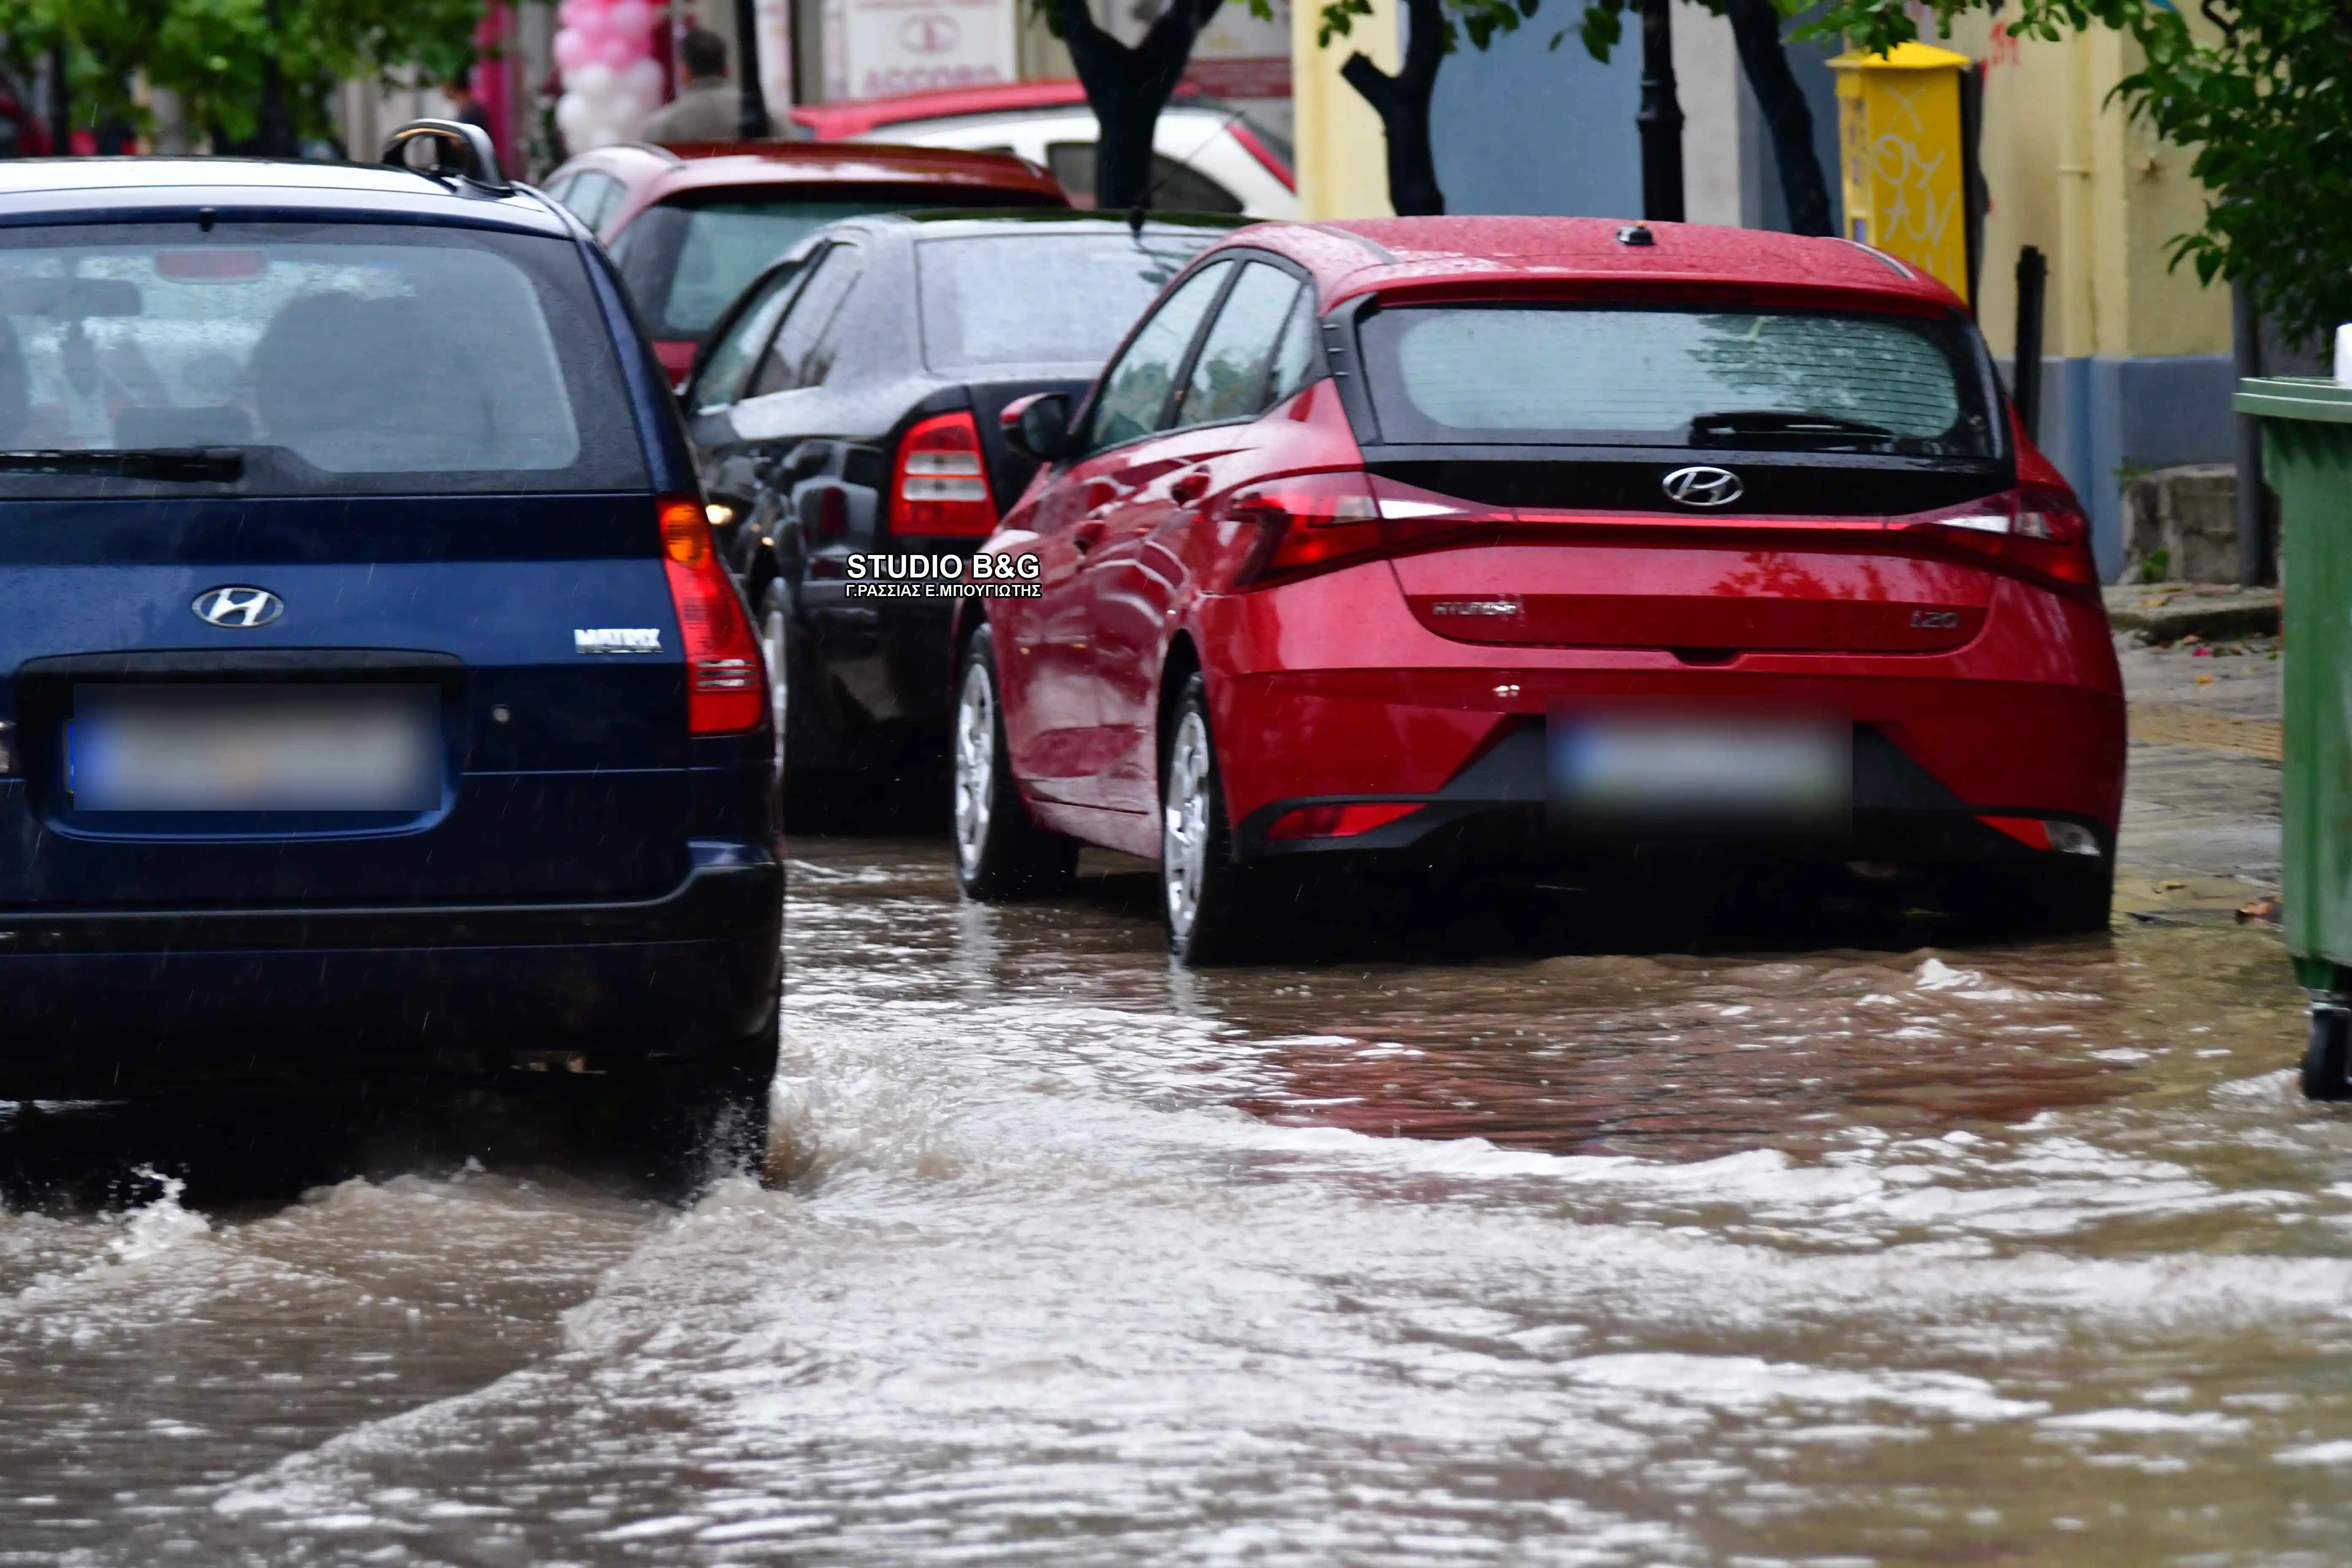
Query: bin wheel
[[2329, 1055]]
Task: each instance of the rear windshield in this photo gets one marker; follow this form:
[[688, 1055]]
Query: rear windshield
[[1579, 375], [1041, 298], [686, 260], [310, 359]]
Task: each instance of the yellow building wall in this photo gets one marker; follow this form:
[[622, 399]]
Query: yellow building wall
[[2100, 194], [1342, 152]]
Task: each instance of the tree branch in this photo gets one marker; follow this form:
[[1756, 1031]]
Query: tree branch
[[1376, 86], [1167, 45], [1424, 45]]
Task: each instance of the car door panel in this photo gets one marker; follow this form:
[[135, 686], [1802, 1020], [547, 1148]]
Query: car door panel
[[1061, 750], [1131, 583]]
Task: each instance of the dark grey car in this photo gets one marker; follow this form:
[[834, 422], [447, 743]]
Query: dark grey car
[[848, 403]]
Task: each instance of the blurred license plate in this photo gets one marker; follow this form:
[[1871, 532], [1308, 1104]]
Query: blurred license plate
[[1691, 771], [247, 748]]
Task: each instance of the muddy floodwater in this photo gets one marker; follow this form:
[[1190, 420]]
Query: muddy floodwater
[[1924, 1254]]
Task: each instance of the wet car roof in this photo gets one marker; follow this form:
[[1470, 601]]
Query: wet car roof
[[1454, 254], [949, 222], [656, 173], [41, 190]]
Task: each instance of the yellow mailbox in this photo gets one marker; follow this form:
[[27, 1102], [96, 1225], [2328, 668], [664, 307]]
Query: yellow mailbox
[[1900, 149]]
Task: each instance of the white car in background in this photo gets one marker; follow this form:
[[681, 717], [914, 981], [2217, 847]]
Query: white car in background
[[1206, 156]]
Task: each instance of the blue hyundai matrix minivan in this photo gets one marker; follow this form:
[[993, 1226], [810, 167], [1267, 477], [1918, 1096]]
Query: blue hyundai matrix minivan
[[374, 702]]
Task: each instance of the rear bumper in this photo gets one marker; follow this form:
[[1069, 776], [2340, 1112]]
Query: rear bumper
[[2026, 720], [91, 996], [1497, 809]]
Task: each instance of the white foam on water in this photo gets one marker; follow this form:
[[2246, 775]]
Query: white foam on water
[[156, 1227]]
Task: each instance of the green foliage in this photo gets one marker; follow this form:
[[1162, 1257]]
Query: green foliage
[[2264, 102], [1483, 20], [211, 52]]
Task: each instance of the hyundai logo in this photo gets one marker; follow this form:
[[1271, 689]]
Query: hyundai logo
[[239, 609], [1703, 485]]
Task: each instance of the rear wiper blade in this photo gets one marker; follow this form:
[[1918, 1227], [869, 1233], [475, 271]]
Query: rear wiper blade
[[177, 465], [1781, 422]]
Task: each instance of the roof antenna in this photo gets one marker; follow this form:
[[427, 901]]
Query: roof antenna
[[1135, 215]]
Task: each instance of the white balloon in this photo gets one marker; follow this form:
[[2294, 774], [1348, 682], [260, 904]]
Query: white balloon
[[644, 80], [596, 83], [574, 116], [610, 125]]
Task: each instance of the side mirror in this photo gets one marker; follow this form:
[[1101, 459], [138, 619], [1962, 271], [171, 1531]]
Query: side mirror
[[1038, 426]]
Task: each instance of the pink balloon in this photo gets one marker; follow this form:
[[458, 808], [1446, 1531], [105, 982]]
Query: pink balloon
[[573, 50], [630, 18], [567, 14], [617, 51]]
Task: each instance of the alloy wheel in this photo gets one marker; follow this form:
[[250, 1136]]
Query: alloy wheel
[[975, 763], [1184, 824]]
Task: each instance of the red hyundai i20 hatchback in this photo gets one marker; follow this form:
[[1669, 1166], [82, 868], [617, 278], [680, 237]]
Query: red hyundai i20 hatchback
[[1523, 540]]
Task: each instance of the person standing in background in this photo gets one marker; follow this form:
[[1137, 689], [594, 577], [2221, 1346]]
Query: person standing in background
[[707, 107], [467, 109]]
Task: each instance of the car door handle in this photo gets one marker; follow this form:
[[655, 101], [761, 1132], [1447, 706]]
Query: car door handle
[[1189, 487]]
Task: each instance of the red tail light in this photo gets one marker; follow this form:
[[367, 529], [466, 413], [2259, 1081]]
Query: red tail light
[[2034, 532], [726, 678], [1307, 522], [940, 485], [1312, 523]]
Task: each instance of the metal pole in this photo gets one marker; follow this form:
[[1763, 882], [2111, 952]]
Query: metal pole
[[1661, 117], [2255, 552], [2025, 374], [752, 124]]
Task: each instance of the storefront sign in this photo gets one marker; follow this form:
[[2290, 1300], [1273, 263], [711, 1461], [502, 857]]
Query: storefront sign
[[878, 47]]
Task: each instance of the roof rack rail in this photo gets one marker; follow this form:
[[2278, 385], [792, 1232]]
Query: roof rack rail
[[459, 152], [659, 150]]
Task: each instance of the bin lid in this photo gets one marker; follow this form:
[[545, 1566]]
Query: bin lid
[[1909, 56], [2296, 398]]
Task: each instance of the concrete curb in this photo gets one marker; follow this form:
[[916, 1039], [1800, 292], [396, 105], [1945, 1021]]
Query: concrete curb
[[2169, 612]]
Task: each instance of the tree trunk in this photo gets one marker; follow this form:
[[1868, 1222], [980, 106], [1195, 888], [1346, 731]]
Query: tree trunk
[[1756, 29], [1127, 88], [273, 137], [1402, 103]]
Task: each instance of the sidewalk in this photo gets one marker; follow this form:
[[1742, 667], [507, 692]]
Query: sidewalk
[[2200, 825]]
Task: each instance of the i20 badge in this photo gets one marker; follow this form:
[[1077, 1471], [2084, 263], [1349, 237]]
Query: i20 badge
[[239, 609], [1703, 485]]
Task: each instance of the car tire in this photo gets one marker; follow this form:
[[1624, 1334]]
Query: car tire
[[812, 796], [1207, 896], [2076, 900], [2327, 1057], [702, 1113], [1000, 854]]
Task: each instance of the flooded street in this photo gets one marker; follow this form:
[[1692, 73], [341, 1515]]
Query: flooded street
[[1901, 1255]]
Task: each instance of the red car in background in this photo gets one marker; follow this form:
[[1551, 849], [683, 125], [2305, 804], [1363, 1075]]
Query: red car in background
[[691, 225], [1511, 542], [1208, 157]]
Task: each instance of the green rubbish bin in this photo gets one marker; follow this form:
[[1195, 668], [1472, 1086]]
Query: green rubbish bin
[[2307, 460]]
